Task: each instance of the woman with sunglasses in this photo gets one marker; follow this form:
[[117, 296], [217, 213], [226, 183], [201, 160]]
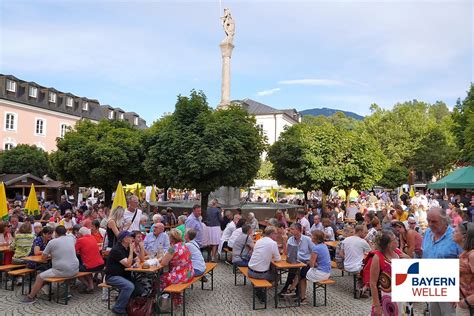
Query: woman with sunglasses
[[410, 240], [463, 235]]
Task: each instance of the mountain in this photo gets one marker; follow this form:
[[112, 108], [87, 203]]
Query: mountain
[[329, 112]]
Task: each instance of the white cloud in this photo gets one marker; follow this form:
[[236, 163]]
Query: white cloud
[[268, 92], [312, 82]]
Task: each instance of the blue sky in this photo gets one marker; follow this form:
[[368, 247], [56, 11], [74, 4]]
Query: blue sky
[[139, 55]]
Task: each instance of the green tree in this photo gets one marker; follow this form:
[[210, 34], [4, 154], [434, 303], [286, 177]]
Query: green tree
[[323, 156], [363, 164], [25, 159], [205, 149], [413, 135], [306, 156], [100, 155], [265, 171], [463, 126]]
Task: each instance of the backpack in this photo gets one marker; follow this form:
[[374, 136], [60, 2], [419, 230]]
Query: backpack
[[365, 272]]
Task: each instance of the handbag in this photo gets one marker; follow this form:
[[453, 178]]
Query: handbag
[[292, 254], [246, 257], [140, 306]]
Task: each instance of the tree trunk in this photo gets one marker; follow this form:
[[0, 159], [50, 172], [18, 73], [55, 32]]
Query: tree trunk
[[108, 196], [348, 198], [324, 201], [165, 193], [204, 203]]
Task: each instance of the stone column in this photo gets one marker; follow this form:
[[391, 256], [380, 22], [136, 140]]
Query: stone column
[[226, 49]]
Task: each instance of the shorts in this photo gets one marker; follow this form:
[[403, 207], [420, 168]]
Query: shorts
[[304, 271], [53, 273], [82, 268], [315, 275]]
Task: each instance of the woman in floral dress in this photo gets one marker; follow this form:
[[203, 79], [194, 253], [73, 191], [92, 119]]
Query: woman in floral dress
[[178, 258]]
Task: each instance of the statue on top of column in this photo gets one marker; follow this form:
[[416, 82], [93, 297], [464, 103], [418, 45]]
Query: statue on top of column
[[229, 26]]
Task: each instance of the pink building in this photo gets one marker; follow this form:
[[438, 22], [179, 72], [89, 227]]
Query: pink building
[[36, 115]]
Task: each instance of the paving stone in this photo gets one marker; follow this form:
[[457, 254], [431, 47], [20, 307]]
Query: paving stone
[[226, 299]]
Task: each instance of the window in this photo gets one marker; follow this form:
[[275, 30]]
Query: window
[[33, 92], [11, 85], [111, 115], [10, 121], [121, 116], [69, 102], [8, 146], [85, 106], [63, 130], [40, 127], [52, 97], [135, 121], [260, 128]]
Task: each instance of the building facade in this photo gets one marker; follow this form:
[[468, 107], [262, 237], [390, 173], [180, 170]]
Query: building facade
[[271, 122], [36, 115]]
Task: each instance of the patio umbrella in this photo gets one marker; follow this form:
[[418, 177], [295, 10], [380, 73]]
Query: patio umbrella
[[119, 199], [153, 194], [32, 203], [3, 203]]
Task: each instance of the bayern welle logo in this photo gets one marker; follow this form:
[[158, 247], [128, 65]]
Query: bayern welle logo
[[401, 277], [425, 280]]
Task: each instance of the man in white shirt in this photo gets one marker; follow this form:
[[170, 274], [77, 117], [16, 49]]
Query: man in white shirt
[[237, 232], [132, 215], [317, 225], [354, 248], [301, 215], [229, 229], [265, 250], [352, 210]]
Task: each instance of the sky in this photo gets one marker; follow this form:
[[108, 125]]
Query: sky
[[140, 55]]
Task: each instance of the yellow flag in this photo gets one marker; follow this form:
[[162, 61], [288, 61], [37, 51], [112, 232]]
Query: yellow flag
[[412, 191], [119, 199], [153, 194], [32, 203], [3, 203], [137, 192]]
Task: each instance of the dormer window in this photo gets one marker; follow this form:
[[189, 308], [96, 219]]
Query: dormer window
[[52, 97], [135, 121], [111, 115], [85, 106], [69, 102], [11, 85], [32, 92], [121, 116]]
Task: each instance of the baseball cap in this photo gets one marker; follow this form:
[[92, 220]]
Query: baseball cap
[[124, 234]]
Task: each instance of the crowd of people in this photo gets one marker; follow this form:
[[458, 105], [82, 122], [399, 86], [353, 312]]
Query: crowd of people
[[372, 230]]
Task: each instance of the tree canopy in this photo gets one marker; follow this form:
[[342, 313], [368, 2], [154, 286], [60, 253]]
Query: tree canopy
[[197, 147], [413, 135], [323, 156], [463, 126], [25, 159], [100, 155]]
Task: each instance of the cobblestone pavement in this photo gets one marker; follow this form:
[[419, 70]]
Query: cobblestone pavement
[[225, 299]]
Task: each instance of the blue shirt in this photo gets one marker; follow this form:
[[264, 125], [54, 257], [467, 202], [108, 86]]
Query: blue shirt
[[323, 259], [304, 247], [153, 244], [444, 247], [195, 223], [196, 256], [214, 217]]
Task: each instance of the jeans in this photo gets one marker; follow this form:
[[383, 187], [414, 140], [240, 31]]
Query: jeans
[[198, 272], [241, 263], [126, 288]]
